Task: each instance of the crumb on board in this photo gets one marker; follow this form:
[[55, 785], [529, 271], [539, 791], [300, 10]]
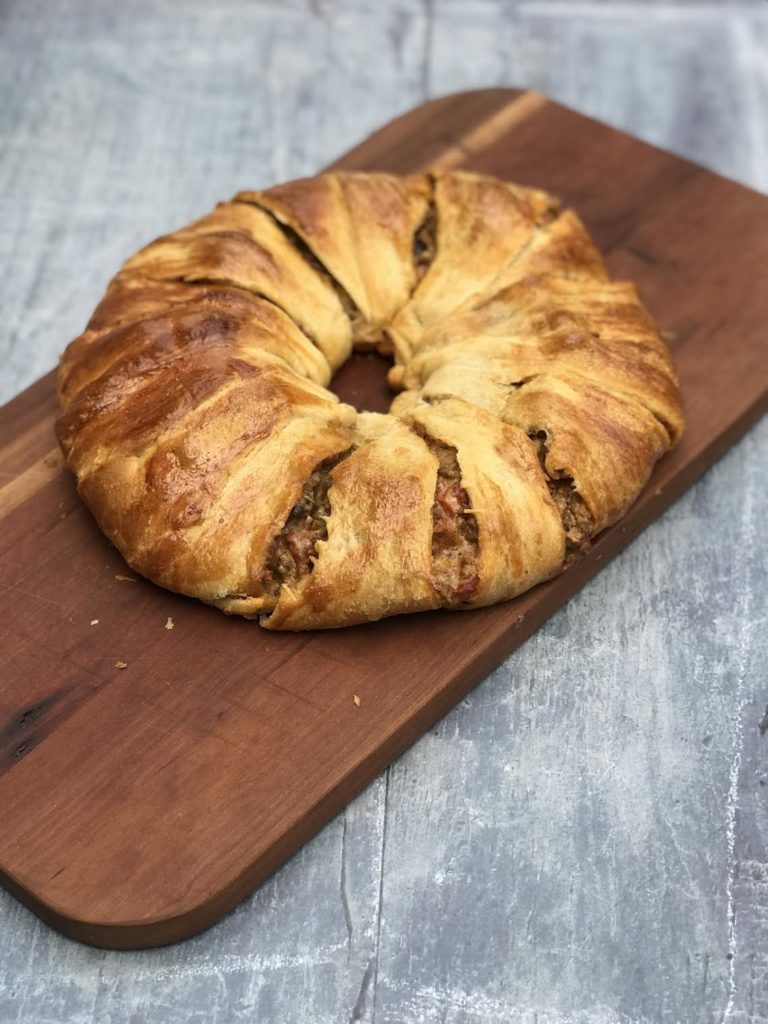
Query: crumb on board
[[357, 700], [665, 590], [169, 623], [94, 622], [124, 579], [121, 664]]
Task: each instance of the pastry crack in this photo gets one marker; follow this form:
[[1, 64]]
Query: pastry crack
[[455, 534], [291, 553], [356, 319], [578, 523]]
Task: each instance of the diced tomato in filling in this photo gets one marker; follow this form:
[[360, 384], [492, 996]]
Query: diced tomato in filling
[[468, 587], [301, 542], [450, 501], [454, 531]]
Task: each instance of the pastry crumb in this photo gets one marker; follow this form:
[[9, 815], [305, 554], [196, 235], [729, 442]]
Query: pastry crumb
[[357, 700], [124, 579], [121, 664], [665, 590], [169, 623], [94, 622]]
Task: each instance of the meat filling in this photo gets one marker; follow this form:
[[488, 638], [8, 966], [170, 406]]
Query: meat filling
[[577, 519], [454, 531], [425, 242], [577, 522], [290, 554]]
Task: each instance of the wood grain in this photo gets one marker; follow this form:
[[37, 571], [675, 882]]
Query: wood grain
[[143, 802]]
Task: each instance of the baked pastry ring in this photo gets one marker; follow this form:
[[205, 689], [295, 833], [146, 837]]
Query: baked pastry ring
[[537, 394]]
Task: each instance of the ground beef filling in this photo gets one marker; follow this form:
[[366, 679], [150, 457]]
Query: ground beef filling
[[290, 554], [425, 242], [577, 520], [454, 531]]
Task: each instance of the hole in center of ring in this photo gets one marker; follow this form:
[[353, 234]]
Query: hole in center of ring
[[362, 382]]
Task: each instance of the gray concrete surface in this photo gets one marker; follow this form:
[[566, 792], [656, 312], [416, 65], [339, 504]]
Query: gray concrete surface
[[583, 840]]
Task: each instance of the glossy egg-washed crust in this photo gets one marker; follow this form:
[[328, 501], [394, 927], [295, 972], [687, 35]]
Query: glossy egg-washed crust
[[536, 396]]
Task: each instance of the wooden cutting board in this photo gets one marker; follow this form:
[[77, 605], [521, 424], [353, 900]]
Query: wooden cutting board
[[139, 804]]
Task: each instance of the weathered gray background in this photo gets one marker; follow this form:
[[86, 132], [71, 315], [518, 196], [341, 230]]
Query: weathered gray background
[[583, 840]]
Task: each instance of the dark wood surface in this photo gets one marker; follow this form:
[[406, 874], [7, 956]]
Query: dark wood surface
[[142, 803]]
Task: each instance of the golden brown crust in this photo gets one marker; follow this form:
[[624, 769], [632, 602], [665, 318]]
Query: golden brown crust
[[164, 326], [605, 443], [192, 484], [315, 212], [520, 535], [560, 247], [360, 227], [385, 212], [240, 245], [483, 225], [599, 329], [376, 560], [195, 414]]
